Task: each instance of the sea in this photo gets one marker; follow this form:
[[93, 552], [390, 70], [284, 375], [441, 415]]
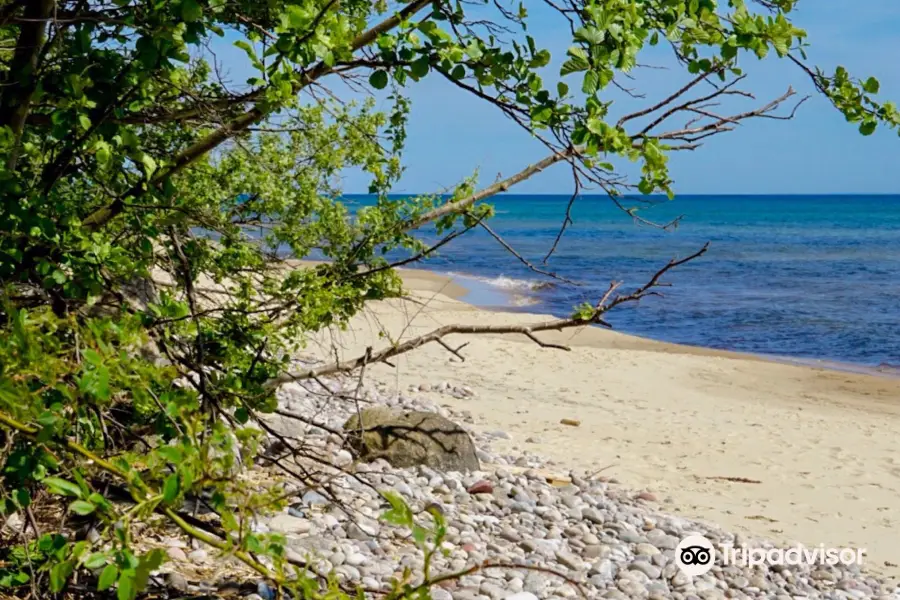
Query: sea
[[814, 278]]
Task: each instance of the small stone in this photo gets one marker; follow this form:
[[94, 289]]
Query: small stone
[[593, 515], [370, 583], [357, 559], [645, 549], [438, 593], [646, 496], [531, 440], [177, 581], [265, 591], [290, 524], [362, 531], [481, 487], [343, 458], [570, 422], [312, 498], [759, 582], [176, 554], [520, 596], [646, 568], [198, 555], [570, 561]]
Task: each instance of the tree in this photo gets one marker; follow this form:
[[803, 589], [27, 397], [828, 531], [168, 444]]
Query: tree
[[147, 207]]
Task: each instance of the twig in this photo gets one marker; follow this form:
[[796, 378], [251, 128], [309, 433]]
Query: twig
[[529, 331]]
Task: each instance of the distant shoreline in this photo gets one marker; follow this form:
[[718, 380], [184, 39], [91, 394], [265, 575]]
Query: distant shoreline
[[480, 295]]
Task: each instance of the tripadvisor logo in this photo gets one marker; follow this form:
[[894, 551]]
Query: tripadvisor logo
[[695, 556]]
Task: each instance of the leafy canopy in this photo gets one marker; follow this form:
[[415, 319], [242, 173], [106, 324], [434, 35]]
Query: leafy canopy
[[149, 208]]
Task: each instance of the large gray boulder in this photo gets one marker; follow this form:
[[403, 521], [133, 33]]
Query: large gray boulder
[[410, 438]]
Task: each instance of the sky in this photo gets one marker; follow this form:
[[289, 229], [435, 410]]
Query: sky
[[451, 134]]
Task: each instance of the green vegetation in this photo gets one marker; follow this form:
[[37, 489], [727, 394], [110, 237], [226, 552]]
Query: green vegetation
[[124, 159]]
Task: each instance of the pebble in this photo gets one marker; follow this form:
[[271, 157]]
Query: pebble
[[200, 555], [617, 544], [176, 554], [289, 524], [481, 487]]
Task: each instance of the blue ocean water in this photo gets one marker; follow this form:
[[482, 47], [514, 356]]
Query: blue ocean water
[[796, 276]]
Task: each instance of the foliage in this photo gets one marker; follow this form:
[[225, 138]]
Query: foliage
[[149, 209]]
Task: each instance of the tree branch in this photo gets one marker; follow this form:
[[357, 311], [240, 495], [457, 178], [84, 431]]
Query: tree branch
[[103, 215], [15, 103], [529, 331]]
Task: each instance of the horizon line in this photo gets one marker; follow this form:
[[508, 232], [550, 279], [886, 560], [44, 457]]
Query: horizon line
[[639, 195]]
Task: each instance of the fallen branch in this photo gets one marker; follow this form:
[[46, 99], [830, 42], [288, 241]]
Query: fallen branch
[[529, 331]]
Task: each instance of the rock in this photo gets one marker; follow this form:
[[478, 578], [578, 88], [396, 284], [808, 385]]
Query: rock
[[362, 531], [482, 486], [646, 496], [570, 561], [177, 581], [570, 422], [176, 554], [290, 524], [593, 515], [343, 458], [198, 556], [646, 568], [519, 596], [438, 593], [265, 591], [410, 438]]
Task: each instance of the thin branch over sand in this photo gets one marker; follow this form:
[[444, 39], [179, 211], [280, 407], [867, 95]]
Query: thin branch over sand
[[606, 303]]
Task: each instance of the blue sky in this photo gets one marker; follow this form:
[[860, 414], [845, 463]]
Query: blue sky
[[452, 134]]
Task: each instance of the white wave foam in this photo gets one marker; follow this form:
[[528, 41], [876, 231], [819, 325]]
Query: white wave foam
[[506, 283]]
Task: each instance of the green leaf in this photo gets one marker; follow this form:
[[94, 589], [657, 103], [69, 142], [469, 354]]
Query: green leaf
[[82, 507], [149, 164], [170, 488], [591, 83], [191, 10], [871, 85], [62, 487], [419, 68], [95, 560], [378, 80], [126, 589], [148, 563], [84, 121], [60, 573], [868, 127], [541, 59], [562, 89], [107, 577], [590, 35]]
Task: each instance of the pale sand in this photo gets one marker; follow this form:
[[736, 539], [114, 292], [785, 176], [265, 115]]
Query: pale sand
[[664, 418]]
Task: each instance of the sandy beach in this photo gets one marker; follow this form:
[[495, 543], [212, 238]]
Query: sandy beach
[[785, 452]]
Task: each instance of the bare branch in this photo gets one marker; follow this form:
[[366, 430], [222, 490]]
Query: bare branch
[[529, 331]]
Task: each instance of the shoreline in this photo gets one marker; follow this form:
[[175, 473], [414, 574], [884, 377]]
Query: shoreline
[[788, 452], [481, 295]]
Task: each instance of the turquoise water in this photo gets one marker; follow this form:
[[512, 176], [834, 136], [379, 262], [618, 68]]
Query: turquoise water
[[797, 276]]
